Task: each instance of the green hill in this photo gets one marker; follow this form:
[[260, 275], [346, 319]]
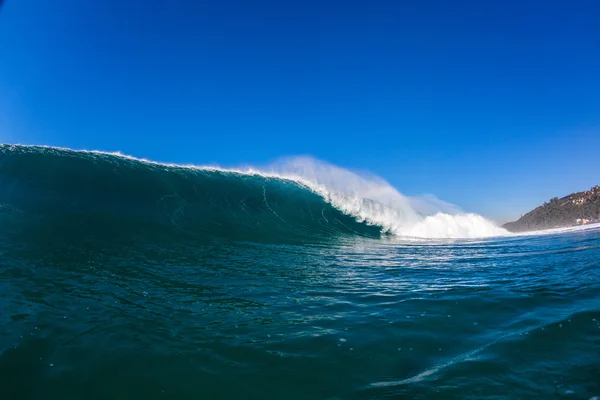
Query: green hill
[[575, 209]]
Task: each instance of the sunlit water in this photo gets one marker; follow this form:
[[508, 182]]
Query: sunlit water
[[350, 319]]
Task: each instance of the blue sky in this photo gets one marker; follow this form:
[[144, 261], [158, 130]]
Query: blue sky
[[494, 107]]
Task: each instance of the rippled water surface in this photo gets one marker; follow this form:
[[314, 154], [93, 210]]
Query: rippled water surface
[[346, 318], [127, 279]]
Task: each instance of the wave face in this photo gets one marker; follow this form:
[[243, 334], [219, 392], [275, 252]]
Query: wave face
[[82, 194]]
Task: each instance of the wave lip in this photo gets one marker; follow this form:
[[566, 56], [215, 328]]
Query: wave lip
[[293, 197], [374, 201]]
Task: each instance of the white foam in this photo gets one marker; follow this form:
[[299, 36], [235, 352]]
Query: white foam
[[443, 225], [372, 200]]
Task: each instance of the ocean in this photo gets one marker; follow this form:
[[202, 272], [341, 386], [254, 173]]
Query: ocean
[[128, 279]]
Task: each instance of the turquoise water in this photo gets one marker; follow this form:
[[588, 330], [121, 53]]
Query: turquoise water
[[127, 280]]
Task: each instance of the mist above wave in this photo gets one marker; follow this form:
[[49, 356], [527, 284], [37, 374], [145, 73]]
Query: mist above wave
[[371, 199]]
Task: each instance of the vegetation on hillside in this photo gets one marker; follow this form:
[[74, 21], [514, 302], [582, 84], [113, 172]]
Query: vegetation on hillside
[[575, 209]]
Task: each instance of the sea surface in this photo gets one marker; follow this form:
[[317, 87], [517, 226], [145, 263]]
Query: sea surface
[[127, 279]]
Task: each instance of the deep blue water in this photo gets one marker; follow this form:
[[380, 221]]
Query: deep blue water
[[122, 280]]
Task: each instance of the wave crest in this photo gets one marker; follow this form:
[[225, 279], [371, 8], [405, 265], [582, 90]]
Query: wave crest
[[372, 200]]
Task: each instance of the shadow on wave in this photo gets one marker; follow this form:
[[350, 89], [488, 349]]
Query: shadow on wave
[[62, 194]]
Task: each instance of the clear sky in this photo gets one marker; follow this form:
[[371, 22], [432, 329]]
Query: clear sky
[[494, 106]]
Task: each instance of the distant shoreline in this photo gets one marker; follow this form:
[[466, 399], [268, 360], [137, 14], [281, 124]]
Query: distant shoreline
[[576, 209]]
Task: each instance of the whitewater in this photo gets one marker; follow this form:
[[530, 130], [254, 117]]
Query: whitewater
[[372, 199]]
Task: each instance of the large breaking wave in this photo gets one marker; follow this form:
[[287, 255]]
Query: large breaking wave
[[94, 193]]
